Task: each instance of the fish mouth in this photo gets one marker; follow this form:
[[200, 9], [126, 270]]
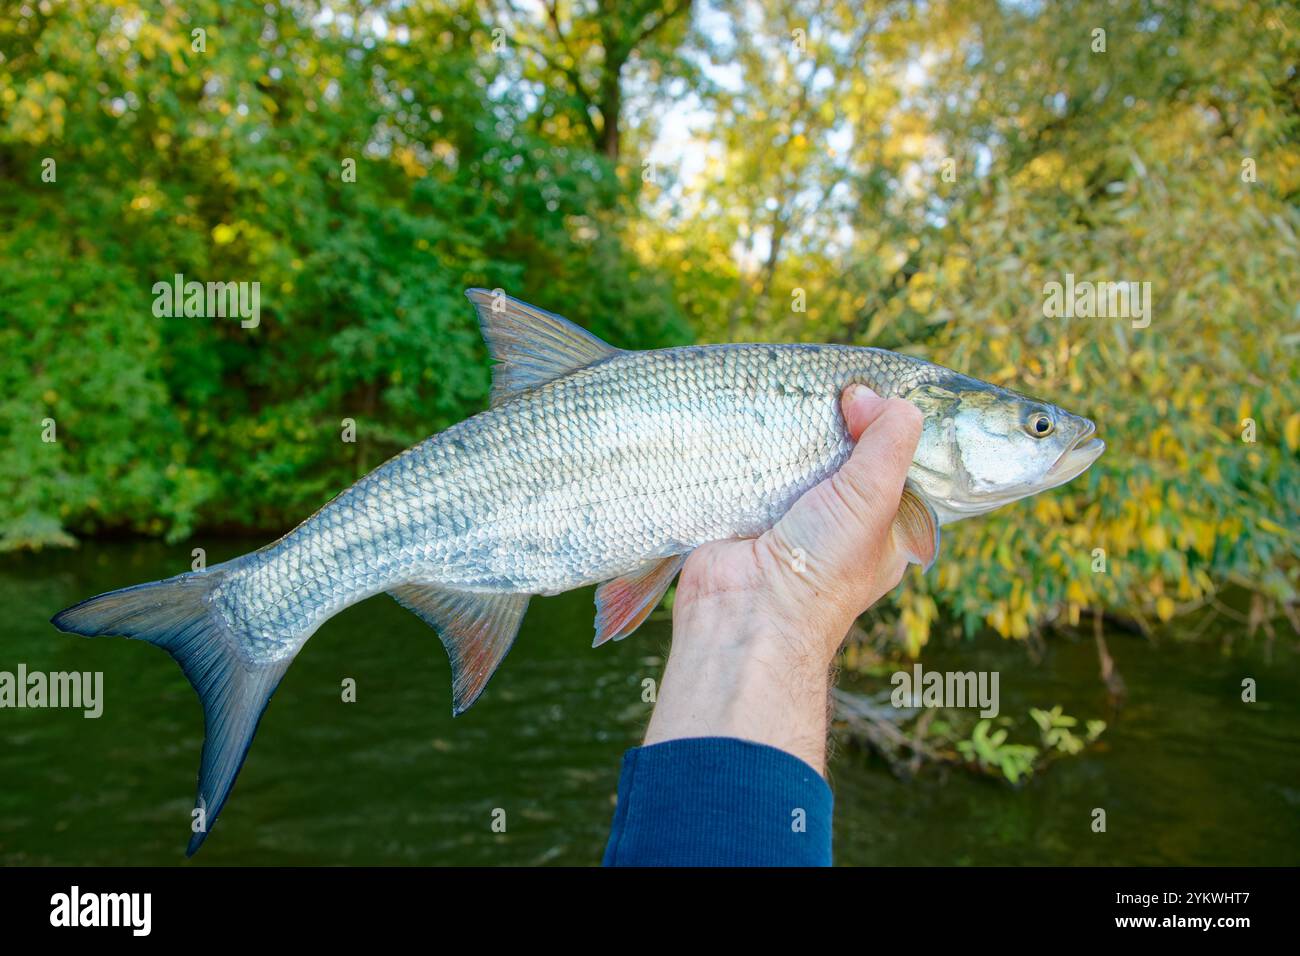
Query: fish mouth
[[1077, 458]]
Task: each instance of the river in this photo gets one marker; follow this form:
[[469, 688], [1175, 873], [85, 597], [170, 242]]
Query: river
[[1186, 772]]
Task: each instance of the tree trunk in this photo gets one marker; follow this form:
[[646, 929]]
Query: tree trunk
[[611, 105]]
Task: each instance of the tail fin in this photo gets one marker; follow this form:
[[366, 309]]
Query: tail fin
[[177, 614]]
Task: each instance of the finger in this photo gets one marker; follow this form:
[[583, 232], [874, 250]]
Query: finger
[[869, 485], [861, 407], [893, 565]]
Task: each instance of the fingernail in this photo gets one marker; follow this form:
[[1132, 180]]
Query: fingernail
[[857, 391]]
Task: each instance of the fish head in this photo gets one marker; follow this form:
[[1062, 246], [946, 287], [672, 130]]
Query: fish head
[[984, 446]]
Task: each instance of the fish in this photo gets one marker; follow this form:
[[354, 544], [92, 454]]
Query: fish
[[591, 465]]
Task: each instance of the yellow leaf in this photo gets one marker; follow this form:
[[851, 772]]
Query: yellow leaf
[[1154, 537]]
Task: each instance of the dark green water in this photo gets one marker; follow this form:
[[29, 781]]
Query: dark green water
[[1188, 775]]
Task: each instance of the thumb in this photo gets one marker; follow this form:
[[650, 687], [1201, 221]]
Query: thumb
[[841, 528], [868, 486], [861, 407]]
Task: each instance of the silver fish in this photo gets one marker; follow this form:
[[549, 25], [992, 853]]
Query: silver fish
[[593, 465]]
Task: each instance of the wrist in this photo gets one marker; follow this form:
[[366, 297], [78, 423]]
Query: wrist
[[737, 671], [745, 623]]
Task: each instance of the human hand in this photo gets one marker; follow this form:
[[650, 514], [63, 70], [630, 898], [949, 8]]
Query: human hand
[[757, 623]]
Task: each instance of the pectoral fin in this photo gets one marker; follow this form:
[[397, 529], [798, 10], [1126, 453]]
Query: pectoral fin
[[624, 603], [476, 629], [916, 528]]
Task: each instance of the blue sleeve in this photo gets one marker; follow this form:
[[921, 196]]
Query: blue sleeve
[[719, 801]]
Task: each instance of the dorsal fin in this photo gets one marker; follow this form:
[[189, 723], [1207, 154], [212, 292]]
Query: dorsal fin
[[530, 345]]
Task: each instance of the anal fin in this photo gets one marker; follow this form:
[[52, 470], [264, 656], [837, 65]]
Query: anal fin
[[476, 629], [916, 528], [623, 604]]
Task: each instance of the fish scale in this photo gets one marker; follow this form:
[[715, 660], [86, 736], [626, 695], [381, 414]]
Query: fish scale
[[592, 466], [580, 480]]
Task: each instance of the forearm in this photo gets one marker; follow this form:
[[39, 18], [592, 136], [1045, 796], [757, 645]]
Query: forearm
[[733, 673], [719, 801], [732, 771]]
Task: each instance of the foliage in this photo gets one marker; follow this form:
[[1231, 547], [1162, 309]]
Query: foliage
[[911, 738], [227, 165], [1056, 728], [916, 172], [921, 173], [993, 752]]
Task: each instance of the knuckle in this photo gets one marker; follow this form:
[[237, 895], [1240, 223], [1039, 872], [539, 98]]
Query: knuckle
[[906, 424], [909, 417], [857, 493], [897, 571], [909, 414]]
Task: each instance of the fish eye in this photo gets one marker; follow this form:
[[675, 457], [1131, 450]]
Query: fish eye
[[1040, 425]]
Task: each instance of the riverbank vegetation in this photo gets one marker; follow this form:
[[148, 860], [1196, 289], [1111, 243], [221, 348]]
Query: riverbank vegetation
[[910, 176]]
